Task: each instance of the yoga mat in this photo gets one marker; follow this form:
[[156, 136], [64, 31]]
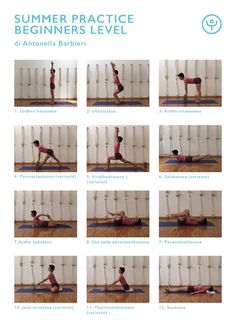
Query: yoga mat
[[117, 291], [118, 169], [107, 103], [48, 167], [42, 290], [58, 226], [112, 224], [176, 224], [185, 292], [178, 101], [197, 162], [48, 103]]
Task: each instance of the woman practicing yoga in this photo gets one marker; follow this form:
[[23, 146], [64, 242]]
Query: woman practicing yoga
[[117, 155], [116, 80], [187, 80], [121, 219], [51, 277], [198, 289], [184, 218], [52, 82], [121, 279], [188, 159], [39, 223], [49, 153]]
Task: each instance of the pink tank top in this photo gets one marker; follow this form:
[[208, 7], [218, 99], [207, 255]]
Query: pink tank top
[[122, 280], [117, 148], [52, 78], [180, 158], [37, 221], [52, 278], [199, 287], [116, 80], [189, 80], [43, 149]]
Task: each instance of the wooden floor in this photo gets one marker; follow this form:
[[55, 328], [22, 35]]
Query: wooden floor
[[187, 298], [118, 297], [144, 101], [189, 167], [46, 232], [163, 99], [196, 231], [117, 231], [59, 297], [90, 167], [72, 166], [27, 102]]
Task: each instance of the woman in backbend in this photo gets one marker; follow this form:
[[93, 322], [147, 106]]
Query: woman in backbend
[[188, 158]]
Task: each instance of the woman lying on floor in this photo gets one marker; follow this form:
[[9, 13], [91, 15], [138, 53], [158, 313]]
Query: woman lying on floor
[[184, 217], [188, 159], [198, 289], [120, 218]]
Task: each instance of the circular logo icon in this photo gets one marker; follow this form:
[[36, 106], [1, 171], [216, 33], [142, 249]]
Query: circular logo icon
[[211, 24]]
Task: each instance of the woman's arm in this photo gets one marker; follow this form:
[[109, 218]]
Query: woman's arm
[[44, 280], [42, 215], [113, 67], [113, 283], [116, 134]]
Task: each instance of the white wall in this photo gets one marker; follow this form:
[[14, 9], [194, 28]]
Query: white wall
[[208, 70], [32, 79], [177, 271], [205, 203], [104, 269], [65, 271], [134, 203], [190, 140], [133, 74], [60, 205], [62, 139], [134, 147]]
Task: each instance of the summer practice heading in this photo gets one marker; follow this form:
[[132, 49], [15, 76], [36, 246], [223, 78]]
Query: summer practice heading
[[75, 24]]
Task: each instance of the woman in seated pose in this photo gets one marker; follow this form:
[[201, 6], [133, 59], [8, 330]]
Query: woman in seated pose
[[188, 159], [184, 217], [121, 219], [198, 289], [38, 223], [121, 279]]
